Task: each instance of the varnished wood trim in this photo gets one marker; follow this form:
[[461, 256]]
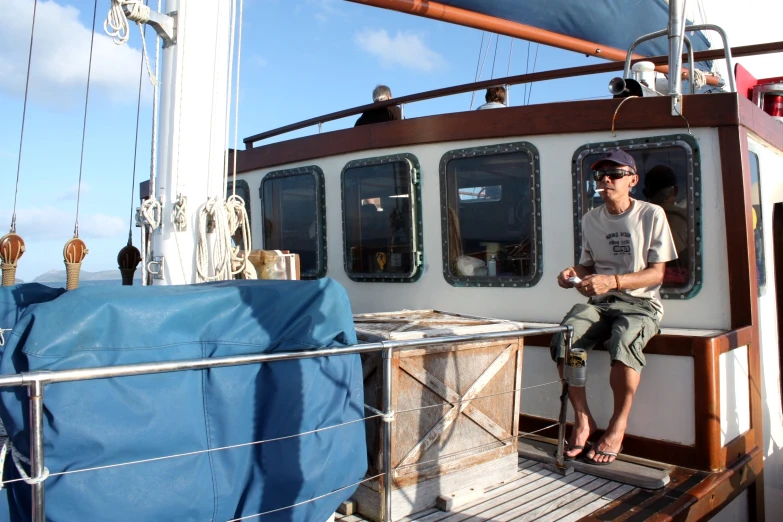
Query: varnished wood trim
[[735, 168], [736, 449], [747, 50], [761, 123], [706, 384], [679, 345], [652, 449], [530, 120], [739, 226], [715, 492]]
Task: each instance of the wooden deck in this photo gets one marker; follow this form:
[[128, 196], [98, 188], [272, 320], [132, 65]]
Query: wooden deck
[[536, 494]]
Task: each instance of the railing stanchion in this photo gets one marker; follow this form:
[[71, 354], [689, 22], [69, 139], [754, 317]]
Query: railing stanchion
[[35, 391], [386, 514]]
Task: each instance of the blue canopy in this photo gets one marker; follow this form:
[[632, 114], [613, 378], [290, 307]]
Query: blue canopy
[[616, 23], [97, 423]]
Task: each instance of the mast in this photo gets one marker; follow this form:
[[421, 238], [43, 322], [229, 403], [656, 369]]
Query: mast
[[192, 133]]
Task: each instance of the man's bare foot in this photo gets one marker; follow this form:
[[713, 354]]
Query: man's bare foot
[[580, 433], [610, 442]]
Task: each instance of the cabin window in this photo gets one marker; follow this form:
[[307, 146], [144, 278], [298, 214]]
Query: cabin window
[[243, 191], [758, 223], [381, 223], [294, 212], [491, 216], [669, 170]]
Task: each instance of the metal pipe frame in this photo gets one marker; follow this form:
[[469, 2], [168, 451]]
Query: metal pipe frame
[[388, 472], [35, 392], [104, 372], [726, 49], [651, 36], [676, 32], [35, 382]]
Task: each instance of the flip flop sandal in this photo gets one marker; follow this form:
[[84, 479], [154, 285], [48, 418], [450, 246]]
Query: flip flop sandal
[[592, 462], [584, 448]]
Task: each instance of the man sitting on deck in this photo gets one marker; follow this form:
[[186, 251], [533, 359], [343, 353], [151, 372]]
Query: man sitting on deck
[[626, 244]]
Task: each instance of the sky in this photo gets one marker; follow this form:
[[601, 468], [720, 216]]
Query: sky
[[300, 59]]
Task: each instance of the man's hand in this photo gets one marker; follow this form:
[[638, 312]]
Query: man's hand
[[596, 284], [562, 278]]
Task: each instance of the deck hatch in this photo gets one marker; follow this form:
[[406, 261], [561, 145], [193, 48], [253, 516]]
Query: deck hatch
[[491, 207], [381, 210], [682, 202], [293, 206]]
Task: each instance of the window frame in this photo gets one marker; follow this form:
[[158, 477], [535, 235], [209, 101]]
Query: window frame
[[761, 264], [538, 254], [693, 184], [320, 211], [417, 236]]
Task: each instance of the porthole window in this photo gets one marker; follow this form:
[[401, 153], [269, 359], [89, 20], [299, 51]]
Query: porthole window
[[381, 219], [669, 170], [294, 212], [491, 216]]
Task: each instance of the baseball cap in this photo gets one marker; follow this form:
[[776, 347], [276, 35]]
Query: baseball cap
[[616, 156]]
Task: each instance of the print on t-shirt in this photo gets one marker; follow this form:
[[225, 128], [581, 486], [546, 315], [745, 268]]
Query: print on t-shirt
[[621, 243]]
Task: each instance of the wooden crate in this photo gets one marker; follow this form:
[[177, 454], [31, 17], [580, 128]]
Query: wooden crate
[[457, 408]]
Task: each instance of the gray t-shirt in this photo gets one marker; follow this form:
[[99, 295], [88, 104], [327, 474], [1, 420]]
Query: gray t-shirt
[[626, 243]]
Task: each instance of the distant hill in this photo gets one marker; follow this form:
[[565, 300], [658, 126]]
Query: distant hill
[[58, 276]]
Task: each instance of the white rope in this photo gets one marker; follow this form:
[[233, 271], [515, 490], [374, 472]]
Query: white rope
[[151, 212], [2, 343], [699, 79], [116, 26], [237, 215], [215, 212], [179, 212], [5, 447]]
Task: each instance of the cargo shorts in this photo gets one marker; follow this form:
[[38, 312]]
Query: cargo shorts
[[629, 325]]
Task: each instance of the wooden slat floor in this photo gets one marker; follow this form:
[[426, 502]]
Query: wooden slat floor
[[536, 494]]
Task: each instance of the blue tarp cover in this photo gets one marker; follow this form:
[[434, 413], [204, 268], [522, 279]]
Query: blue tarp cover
[[111, 421], [616, 23]]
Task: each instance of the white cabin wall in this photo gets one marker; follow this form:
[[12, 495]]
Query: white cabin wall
[[770, 168], [545, 302]]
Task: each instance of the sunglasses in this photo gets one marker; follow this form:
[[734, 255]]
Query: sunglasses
[[614, 174]]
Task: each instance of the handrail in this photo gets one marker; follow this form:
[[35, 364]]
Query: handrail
[[103, 372], [747, 50], [656, 34]]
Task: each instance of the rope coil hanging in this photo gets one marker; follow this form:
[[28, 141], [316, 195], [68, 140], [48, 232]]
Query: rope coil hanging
[[116, 26]]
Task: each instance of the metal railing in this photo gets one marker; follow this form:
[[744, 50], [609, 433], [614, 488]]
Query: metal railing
[[37, 380], [571, 72]]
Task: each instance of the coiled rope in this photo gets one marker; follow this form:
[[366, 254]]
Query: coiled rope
[[116, 26]]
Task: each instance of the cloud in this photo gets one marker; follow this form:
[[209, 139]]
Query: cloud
[[49, 223], [405, 49], [60, 55], [259, 60], [324, 9], [72, 192]]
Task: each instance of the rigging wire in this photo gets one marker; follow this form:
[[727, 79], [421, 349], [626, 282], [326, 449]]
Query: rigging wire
[[136, 144], [229, 80], [24, 114], [478, 62], [508, 71], [535, 60], [84, 122], [495, 57], [527, 70], [481, 70]]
